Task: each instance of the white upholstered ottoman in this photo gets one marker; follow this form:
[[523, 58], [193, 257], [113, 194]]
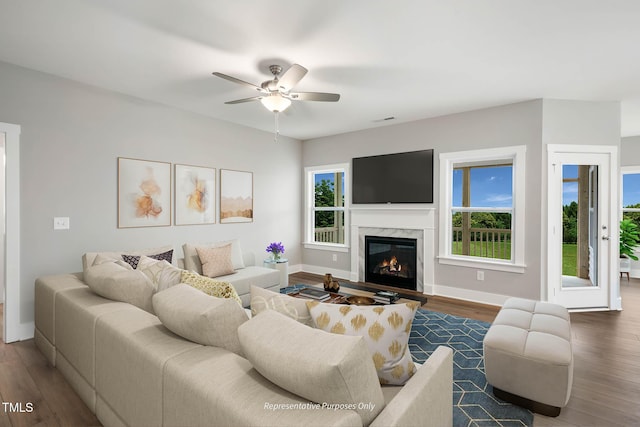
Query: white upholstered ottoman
[[528, 357]]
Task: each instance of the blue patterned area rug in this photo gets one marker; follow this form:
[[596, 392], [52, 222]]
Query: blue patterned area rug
[[473, 401], [474, 404]]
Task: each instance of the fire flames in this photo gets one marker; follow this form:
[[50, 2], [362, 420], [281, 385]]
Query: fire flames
[[391, 265]]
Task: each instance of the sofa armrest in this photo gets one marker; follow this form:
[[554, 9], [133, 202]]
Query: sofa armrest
[[427, 398]]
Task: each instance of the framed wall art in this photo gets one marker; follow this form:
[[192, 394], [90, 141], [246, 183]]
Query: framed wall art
[[144, 193], [236, 196], [195, 195]]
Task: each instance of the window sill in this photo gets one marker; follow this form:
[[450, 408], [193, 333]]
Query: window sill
[[484, 264], [334, 247]]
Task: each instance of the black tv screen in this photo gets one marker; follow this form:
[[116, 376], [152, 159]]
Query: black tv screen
[[393, 178]]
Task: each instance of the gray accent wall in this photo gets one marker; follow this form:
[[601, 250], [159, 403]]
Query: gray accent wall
[[630, 151], [72, 135], [532, 123]]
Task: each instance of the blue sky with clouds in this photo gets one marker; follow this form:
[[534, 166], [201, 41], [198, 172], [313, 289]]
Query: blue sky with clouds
[[490, 187], [630, 187]]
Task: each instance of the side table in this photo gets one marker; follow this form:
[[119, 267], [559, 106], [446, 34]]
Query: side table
[[282, 265]]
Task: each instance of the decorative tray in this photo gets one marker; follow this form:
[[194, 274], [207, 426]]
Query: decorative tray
[[360, 300]]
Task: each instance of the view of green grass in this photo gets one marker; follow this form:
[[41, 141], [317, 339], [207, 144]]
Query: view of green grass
[[569, 259], [485, 249]]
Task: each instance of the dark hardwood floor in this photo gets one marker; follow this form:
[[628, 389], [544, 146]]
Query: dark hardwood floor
[[606, 387]]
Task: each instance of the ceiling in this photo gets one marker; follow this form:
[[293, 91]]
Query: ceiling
[[404, 59]]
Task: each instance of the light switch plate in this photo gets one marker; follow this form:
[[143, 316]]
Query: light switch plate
[[61, 223]]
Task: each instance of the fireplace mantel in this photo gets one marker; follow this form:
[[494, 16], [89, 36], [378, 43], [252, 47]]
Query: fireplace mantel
[[395, 222]]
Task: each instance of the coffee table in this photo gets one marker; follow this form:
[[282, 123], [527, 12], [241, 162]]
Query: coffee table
[[345, 292]]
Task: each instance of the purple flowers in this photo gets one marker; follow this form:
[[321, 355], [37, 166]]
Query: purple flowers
[[275, 249]]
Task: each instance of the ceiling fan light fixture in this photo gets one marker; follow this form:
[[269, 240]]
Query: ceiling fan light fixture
[[275, 102]]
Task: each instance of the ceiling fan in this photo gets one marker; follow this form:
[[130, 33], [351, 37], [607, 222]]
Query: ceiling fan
[[276, 94]]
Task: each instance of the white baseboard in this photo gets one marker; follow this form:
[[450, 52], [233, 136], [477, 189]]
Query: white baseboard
[[470, 295], [24, 331], [337, 274]]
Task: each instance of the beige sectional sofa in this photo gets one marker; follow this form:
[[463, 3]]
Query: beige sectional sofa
[[131, 370]]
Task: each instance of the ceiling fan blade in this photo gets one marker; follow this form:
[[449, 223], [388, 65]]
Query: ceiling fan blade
[[315, 96], [240, 101], [242, 82], [291, 77]]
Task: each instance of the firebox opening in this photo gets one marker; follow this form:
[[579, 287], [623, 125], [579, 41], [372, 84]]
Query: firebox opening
[[391, 261]]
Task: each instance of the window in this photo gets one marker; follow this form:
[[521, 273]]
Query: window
[[482, 208], [631, 194], [326, 207]]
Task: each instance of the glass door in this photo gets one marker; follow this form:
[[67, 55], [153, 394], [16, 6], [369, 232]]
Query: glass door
[[579, 230]]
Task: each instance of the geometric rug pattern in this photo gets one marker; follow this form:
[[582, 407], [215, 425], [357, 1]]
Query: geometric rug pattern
[[473, 401]]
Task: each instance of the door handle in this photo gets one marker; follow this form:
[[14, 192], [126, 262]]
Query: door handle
[[605, 237]]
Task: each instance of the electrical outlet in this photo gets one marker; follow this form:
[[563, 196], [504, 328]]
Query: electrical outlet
[[61, 223], [335, 257], [479, 275]]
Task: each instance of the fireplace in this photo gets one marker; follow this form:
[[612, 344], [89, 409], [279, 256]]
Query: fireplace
[[391, 261]]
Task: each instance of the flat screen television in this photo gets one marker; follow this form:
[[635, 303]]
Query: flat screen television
[[393, 178]]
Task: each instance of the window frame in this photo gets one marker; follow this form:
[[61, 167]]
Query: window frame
[[627, 170], [310, 209], [515, 155]]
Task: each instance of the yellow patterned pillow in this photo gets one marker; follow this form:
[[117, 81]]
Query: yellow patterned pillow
[[385, 329], [209, 286]]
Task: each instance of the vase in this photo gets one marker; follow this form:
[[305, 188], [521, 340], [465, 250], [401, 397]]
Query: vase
[[275, 256], [330, 285]]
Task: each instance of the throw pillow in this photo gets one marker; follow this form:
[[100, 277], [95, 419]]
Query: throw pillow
[[385, 329], [295, 308], [313, 364], [133, 260], [192, 261], [200, 318], [89, 258], [216, 261], [102, 259], [119, 283], [161, 273], [209, 286]]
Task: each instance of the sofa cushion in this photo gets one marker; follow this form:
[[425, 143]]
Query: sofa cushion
[[209, 286], [161, 273], [243, 279], [215, 261], [385, 329], [115, 282], [199, 317], [295, 308], [192, 261], [89, 257], [322, 367]]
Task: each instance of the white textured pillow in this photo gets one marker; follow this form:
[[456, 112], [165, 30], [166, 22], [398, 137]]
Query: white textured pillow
[[161, 273], [313, 364], [192, 260], [216, 261], [385, 328], [199, 317], [115, 282], [295, 308]]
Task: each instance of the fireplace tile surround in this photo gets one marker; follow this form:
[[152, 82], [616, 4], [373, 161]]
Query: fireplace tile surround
[[411, 223]]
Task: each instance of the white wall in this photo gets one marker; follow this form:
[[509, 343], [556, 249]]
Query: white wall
[[72, 135]]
